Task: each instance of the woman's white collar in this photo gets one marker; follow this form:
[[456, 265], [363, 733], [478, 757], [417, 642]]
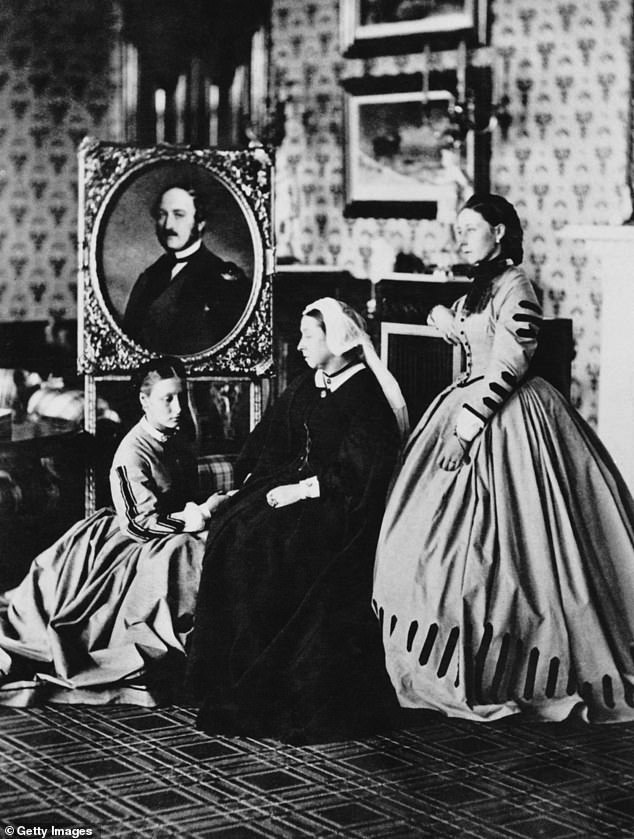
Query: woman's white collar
[[325, 382], [154, 432]]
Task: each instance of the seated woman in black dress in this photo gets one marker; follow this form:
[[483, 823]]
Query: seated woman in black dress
[[283, 643], [104, 614]]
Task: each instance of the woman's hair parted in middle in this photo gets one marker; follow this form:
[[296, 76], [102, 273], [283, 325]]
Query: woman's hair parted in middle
[[165, 367], [495, 209]]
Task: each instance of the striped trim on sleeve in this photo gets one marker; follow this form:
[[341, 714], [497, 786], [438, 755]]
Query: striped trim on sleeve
[[144, 526]]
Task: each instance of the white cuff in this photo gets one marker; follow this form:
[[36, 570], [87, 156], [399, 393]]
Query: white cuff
[[468, 426], [309, 487], [430, 316]]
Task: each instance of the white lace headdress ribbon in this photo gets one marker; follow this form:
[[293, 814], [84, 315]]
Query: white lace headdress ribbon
[[342, 335]]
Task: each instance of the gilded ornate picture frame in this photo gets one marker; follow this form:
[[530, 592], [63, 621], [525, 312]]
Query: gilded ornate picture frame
[[388, 27], [119, 187]]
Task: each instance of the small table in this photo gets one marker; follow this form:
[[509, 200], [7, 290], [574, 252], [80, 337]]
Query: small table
[[37, 428]]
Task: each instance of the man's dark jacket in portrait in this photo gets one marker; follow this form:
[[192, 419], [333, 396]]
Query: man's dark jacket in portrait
[[191, 312]]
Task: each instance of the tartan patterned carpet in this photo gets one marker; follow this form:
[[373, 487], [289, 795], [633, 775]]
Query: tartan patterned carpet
[[125, 771]]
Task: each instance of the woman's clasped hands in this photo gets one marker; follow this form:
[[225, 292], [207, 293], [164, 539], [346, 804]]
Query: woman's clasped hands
[[214, 501]]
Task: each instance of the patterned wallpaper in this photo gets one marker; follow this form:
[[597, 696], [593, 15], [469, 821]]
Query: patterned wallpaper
[[57, 83], [565, 67]]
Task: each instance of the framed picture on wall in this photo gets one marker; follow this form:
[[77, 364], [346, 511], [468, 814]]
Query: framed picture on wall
[[401, 158], [386, 27], [175, 258]]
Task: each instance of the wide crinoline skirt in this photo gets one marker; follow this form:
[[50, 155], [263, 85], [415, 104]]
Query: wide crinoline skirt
[[508, 585], [100, 618]]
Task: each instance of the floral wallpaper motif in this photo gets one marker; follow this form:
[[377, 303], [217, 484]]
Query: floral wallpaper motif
[[564, 66], [56, 85]]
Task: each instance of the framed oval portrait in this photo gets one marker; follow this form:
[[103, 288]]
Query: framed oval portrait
[[175, 258]]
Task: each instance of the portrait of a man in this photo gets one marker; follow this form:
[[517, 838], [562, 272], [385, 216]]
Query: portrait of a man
[[189, 298], [177, 258]]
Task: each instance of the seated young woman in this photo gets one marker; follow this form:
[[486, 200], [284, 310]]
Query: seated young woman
[[284, 643], [104, 614]]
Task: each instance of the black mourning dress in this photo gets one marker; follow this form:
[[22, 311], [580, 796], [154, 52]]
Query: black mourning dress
[[285, 643]]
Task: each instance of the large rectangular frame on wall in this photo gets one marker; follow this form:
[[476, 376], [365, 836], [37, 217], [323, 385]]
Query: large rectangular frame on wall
[[379, 28], [402, 155], [384, 179]]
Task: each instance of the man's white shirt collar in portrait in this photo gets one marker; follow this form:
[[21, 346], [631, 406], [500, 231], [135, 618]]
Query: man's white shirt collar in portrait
[[181, 257]]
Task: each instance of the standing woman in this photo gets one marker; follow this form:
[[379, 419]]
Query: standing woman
[[285, 644], [504, 577], [104, 614]]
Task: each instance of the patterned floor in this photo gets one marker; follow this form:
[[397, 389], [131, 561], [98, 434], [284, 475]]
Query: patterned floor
[[130, 772]]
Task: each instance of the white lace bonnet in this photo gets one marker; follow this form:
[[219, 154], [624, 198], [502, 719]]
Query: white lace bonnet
[[342, 335]]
